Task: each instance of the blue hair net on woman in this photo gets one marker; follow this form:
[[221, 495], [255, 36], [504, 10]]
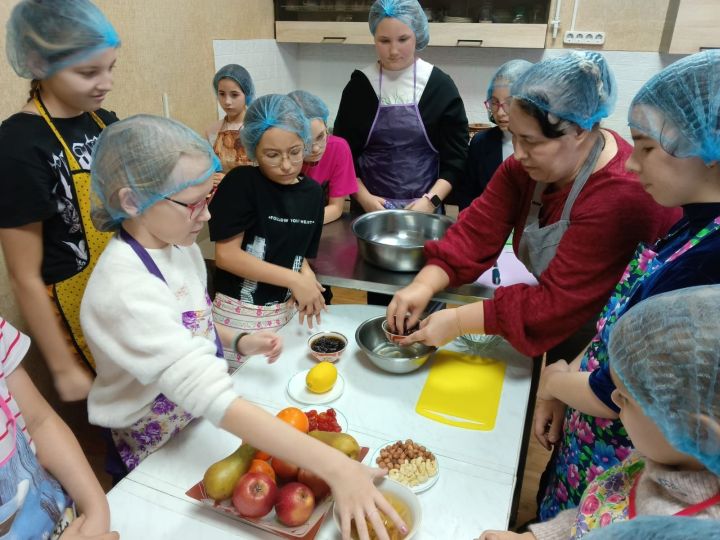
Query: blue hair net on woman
[[659, 528], [577, 87], [240, 75], [273, 111], [143, 153], [680, 107], [408, 12], [311, 105], [45, 36], [666, 350], [507, 74]]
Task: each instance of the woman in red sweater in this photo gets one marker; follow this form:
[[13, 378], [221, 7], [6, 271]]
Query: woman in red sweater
[[576, 212]]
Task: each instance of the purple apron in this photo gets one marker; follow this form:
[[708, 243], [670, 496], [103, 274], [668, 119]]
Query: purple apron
[[165, 418], [398, 162]]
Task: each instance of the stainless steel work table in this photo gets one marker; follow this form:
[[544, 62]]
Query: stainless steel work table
[[340, 264]]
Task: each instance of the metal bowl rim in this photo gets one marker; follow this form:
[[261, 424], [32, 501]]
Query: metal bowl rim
[[368, 216], [430, 349]]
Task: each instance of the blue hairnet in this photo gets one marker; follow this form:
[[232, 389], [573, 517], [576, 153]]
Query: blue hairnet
[[142, 153], [659, 528], [45, 36], [680, 107], [578, 87], [408, 12], [240, 75], [311, 105], [269, 111], [666, 350], [507, 74]]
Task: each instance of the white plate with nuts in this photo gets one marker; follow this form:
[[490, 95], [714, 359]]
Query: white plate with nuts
[[409, 463]]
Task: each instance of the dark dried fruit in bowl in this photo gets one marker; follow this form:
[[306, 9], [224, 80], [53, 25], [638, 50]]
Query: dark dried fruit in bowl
[[327, 344]]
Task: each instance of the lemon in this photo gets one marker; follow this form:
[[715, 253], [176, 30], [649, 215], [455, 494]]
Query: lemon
[[321, 378]]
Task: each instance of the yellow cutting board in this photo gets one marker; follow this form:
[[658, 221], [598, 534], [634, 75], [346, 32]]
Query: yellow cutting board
[[462, 390]]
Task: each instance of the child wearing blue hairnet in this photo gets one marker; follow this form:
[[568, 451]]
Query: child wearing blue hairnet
[[266, 223], [67, 48], [44, 474], [148, 321], [234, 90], [665, 364], [675, 125]]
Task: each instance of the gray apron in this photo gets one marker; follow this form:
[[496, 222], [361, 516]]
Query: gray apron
[[538, 245]]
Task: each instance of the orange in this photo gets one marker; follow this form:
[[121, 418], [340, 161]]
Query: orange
[[285, 471], [262, 455], [296, 418], [258, 465]]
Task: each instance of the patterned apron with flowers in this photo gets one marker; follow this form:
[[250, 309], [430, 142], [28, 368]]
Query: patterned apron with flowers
[[67, 294], [165, 419], [591, 445]]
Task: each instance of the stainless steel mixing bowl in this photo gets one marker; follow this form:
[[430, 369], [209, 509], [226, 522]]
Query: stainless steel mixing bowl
[[388, 356], [394, 239]]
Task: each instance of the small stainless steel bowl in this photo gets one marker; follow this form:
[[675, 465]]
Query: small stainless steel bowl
[[394, 239], [388, 356]]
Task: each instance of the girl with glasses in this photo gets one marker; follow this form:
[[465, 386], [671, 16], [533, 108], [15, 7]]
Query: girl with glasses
[[489, 148], [267, 221]]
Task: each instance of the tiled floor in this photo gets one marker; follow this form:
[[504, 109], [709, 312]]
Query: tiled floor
[[92, 443]]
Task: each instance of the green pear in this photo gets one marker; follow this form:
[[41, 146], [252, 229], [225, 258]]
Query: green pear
[[221, 477], [340, 441]]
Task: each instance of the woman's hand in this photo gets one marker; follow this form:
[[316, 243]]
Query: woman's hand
[[75, 531], [548, 423], [407, 305], [264, 342], [73, 381], [438, 329], [358, 499]]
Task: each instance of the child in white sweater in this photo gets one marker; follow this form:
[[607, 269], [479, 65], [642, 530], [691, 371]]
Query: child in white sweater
[[147, 316], [665, 363]]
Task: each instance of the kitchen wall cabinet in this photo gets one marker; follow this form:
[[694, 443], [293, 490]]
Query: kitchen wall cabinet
[[453, 23], [692, 25]]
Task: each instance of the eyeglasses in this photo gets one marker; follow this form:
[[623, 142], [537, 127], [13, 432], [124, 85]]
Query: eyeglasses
[[493, 105], [196, 209], [320, 141], [294, 156]]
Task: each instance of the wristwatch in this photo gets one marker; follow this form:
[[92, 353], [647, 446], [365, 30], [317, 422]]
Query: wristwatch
[[434, 199]]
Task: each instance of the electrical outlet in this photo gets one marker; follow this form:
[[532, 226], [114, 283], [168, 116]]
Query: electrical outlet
[[577, 37]]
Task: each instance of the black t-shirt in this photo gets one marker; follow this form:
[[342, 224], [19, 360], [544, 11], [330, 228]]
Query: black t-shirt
[[36, 184], [282, 225]]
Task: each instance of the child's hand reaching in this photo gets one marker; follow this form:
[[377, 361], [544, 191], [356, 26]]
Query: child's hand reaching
[[505, 535], [75, 532], [264, 342], [307, 294]]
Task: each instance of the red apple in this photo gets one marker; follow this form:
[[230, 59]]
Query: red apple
[[284, 470], [295, 503], [254, 494], [316, 484]]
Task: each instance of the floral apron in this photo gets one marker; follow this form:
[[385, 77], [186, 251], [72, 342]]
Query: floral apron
[[591, 445], [611, 497], [165, 419], [68, 293]]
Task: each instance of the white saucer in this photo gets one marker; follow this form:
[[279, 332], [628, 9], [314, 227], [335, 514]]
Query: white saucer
[[340, 417], [415, 489], [297, 390]]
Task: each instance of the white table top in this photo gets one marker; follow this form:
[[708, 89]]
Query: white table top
[[478, 469]]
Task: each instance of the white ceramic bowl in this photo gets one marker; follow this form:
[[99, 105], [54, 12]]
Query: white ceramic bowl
[[327, 356], [405, 495]]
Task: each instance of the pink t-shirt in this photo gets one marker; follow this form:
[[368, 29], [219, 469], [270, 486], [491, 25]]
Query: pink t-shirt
[[336, 167]]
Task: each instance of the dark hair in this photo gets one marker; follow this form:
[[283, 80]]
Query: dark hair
[[551, 130], [34, 89]]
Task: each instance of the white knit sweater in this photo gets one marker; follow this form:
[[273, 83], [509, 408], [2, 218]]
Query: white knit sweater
[[132, 322]]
